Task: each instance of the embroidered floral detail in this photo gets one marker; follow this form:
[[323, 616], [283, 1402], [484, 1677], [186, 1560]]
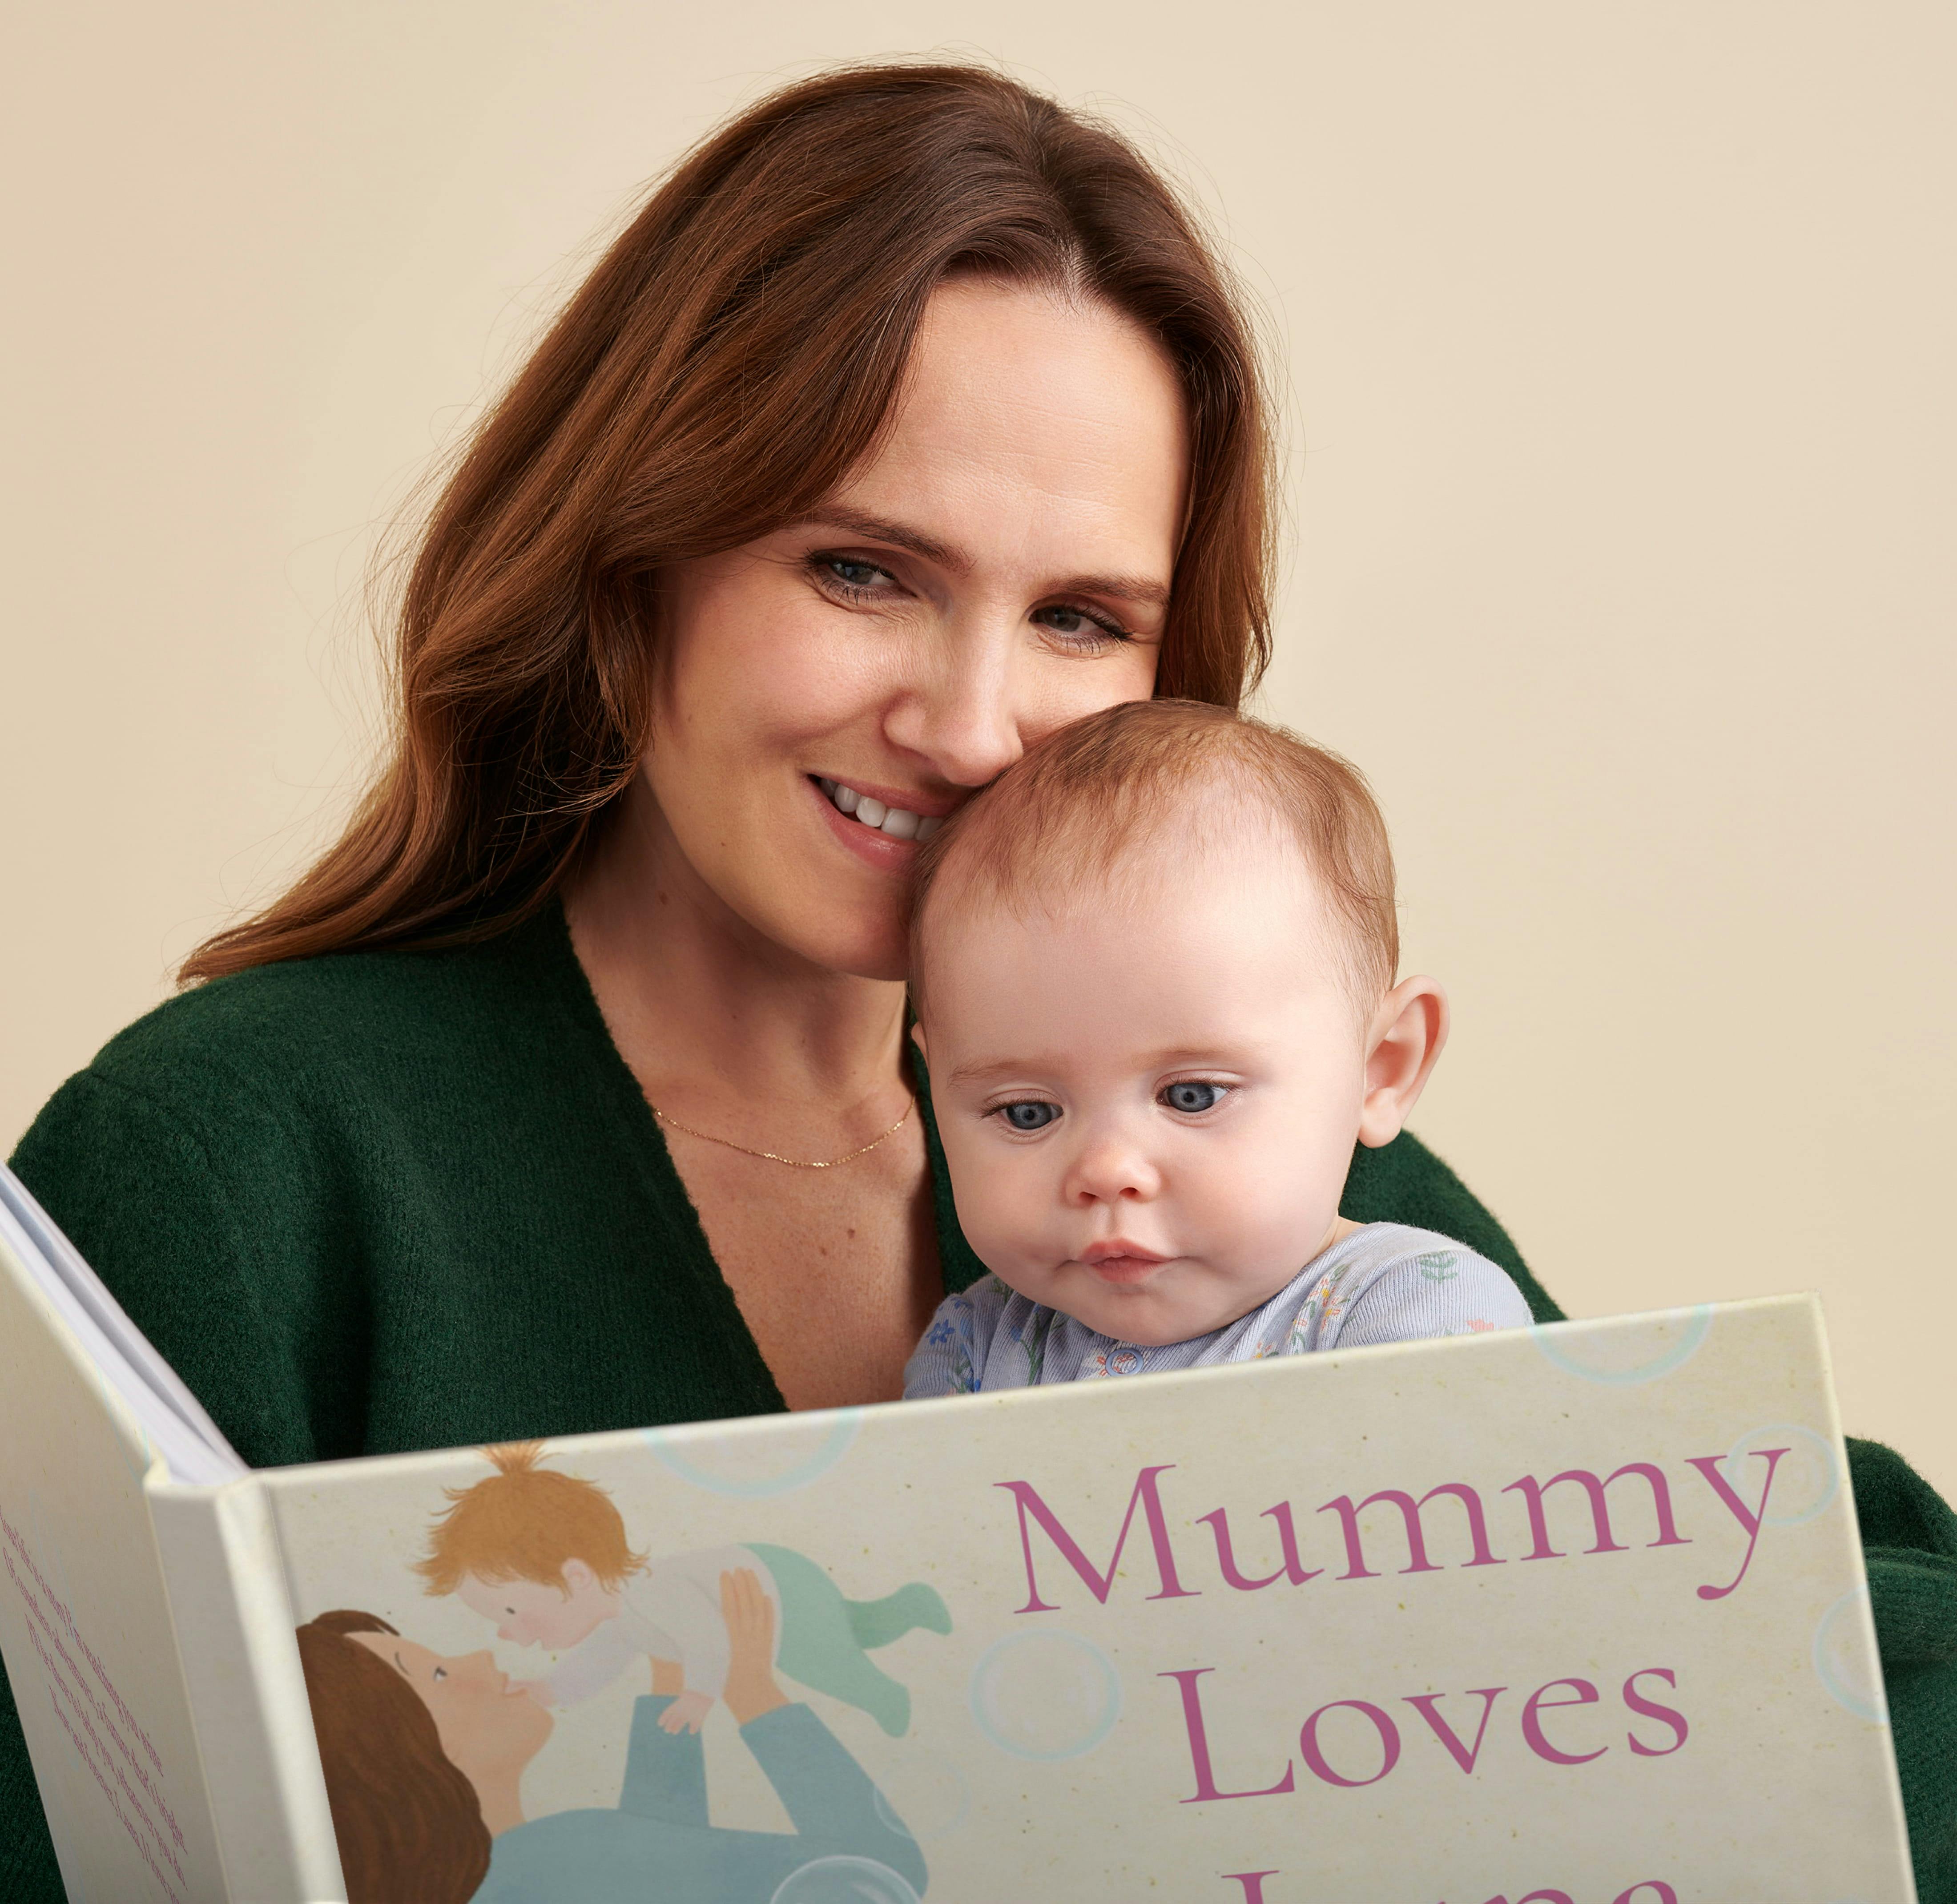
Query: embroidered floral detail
[[1323, 1304], [1438, 1267], [941, 1332]]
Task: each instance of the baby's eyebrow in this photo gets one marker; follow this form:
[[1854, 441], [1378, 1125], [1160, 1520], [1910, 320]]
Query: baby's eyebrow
[[1030, 1070], [987, 1074]]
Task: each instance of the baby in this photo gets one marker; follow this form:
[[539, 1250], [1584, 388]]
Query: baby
[[543, 1556], [1154, 968]]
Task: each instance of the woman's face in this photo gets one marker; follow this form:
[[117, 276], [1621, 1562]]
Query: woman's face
[[487, 1726], [999, 567]]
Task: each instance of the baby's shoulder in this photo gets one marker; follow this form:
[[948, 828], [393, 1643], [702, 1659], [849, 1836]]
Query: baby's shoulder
[[1391, 1282], [1379, 1246]]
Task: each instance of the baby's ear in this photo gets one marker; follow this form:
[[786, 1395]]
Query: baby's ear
[[1403, 1040]]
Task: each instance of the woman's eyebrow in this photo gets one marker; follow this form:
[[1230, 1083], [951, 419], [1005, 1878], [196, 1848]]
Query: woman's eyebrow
[[882, 530], [1126, 588]]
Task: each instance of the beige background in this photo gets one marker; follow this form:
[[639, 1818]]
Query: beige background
[[1622, 410]]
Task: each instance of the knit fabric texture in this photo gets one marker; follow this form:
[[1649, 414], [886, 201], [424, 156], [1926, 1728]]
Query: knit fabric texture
[[383, 1201]]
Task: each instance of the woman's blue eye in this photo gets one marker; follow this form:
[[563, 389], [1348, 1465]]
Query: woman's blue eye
[[851, 573], [1031, 1116], [1077, 624], [1192, 1097]]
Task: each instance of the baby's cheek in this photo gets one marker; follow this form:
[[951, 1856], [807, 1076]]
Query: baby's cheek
[[1265, 1213], [1000, 1200]]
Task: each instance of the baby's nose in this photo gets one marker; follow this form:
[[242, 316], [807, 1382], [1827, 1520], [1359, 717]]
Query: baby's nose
[[1108, 1170]]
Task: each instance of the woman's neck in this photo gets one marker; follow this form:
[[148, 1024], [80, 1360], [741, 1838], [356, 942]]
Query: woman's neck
[[708, 1012], [497, 1792]]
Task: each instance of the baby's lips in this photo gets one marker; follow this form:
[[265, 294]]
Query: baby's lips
[[1110, 1249]]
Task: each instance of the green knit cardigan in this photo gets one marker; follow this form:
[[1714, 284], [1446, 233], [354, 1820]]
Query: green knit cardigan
[[383, 1201]]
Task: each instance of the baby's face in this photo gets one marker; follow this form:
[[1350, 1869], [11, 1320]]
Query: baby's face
[[533, 1613], [1148, 1104]]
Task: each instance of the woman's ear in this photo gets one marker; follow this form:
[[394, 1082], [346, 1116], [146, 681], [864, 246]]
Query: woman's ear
[[1402, 1041]]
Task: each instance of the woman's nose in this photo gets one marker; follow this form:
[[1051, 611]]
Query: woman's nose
[[1110, 1167], [961, 717]]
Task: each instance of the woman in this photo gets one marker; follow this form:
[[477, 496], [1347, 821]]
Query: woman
[[911, 418], [424, 1758]]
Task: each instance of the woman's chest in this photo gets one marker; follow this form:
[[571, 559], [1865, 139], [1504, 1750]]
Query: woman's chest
[[835, 1272]]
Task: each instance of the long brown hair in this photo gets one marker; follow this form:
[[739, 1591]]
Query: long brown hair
[[408, 1822], [733, 356]]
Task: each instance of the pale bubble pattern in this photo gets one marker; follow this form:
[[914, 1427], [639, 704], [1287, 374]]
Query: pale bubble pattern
[[1806, 1479], [925, 1794], [736, 1460], [1046, 1695], [1845, 1657], [844, 1880], [1626, 1353]]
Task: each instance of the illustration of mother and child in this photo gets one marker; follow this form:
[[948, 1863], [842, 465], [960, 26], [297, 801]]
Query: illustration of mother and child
[[424, 1755]]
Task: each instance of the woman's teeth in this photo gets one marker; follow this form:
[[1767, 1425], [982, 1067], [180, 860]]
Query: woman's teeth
[[899, 823]]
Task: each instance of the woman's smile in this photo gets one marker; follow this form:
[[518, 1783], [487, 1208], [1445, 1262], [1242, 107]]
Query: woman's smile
[[877, 829], [880, 809]]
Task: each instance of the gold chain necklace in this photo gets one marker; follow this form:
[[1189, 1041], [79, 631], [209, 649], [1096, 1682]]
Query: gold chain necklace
[[794, 1163]]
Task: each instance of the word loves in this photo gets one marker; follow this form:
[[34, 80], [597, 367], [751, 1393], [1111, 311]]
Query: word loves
[[1352, 1743], [1377, 1724]]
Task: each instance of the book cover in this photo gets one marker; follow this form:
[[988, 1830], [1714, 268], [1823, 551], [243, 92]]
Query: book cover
[[1572, 1613]]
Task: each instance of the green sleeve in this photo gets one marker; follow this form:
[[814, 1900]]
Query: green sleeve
[[230, 1271], [1909, 1542]]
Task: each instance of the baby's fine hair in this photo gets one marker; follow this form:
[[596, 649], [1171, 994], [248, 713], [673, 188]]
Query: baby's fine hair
[[523, 1523], [1086, 802]]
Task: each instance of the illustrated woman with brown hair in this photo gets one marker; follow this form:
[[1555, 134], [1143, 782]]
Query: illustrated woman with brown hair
[[911, 418], [424, 1756]]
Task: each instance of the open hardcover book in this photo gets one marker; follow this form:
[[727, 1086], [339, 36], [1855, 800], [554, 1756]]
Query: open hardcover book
[[1572, 1614]]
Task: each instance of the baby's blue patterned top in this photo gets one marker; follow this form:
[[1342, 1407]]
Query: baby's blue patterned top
[[1385, 1283]]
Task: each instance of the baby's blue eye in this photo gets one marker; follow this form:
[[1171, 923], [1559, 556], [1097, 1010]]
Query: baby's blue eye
[[1030, 1116], [1192, 1096]]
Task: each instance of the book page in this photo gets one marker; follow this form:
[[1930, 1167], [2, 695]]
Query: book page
[[1574, 1613]]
